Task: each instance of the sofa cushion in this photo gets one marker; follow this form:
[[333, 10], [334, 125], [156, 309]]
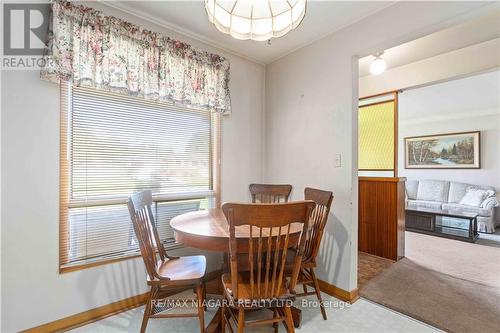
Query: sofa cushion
[[433, 190], [423, 204], [458, 190], [466, 208], [411, 189]]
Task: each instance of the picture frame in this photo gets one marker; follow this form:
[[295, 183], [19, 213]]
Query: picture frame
[[443, 151]]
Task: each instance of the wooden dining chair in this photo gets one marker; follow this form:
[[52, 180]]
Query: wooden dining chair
[[166, 274], [319, 217], [269, 193], [264, 284]]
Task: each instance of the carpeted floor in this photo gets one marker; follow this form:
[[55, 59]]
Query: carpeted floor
[[468, 261], [360, 317], [489, 239], [449, 284]]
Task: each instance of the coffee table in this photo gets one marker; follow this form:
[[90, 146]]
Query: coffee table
[[443, 223]]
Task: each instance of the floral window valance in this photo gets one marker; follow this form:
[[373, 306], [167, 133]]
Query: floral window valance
[[91, 49]]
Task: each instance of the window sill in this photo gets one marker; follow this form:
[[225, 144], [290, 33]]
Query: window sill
[[89, 263]]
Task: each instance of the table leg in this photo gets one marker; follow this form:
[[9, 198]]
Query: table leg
[[475, 234], [471, 227], [215, 324], [296, 316]]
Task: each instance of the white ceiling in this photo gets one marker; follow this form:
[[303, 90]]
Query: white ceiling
[[189, 17], [472, 32]]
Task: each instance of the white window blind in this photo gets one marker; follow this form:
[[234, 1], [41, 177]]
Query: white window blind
[[118, 145]]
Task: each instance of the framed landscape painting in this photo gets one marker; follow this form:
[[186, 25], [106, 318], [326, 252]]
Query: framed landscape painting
[[443, 151]]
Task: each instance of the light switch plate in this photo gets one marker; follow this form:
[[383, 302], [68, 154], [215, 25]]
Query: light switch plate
[[338, 160]]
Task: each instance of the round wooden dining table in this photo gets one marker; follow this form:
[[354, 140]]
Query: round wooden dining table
[[209, 230]]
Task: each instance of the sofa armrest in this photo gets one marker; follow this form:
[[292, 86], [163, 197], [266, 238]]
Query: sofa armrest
[[490, 202]]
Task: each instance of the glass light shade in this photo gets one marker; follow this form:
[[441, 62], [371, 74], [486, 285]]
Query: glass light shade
[[255, 19], [378, 66]]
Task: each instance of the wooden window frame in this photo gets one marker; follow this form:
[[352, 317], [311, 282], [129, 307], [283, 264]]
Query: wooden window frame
[[64, 186]]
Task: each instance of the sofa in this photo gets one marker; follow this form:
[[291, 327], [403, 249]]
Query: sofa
[[439, 194]]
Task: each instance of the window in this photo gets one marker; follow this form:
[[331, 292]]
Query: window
[[377, 133], [114, 145]]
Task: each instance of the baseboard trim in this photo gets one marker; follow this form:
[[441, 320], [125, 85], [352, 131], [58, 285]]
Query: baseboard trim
[[90, 316], [87, 317], [344, 295]]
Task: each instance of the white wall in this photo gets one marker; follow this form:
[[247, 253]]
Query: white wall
[[464, 105], [311, 115], [30, 187]]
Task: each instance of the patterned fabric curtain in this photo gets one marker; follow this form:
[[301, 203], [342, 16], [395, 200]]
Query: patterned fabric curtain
[[104, 52]]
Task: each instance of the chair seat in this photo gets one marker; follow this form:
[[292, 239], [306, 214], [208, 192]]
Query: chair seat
[[183, 268], [289, 261], [244, 287]]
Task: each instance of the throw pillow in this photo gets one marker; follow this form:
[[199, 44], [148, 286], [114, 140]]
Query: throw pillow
[[475, 197]]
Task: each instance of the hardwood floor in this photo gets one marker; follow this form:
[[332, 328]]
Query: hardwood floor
[[370, 266]]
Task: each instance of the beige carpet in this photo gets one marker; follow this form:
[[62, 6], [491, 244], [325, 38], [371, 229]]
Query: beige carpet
[[449, 284], [468, 261]]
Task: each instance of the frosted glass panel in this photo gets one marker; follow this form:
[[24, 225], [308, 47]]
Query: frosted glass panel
[[376, 136]]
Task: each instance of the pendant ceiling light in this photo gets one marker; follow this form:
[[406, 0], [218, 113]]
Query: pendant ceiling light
[[255, 19]]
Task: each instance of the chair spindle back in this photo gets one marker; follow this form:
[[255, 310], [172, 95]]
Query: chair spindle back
[[269, 226], [319, 217], [141, 214], [268, 193]]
